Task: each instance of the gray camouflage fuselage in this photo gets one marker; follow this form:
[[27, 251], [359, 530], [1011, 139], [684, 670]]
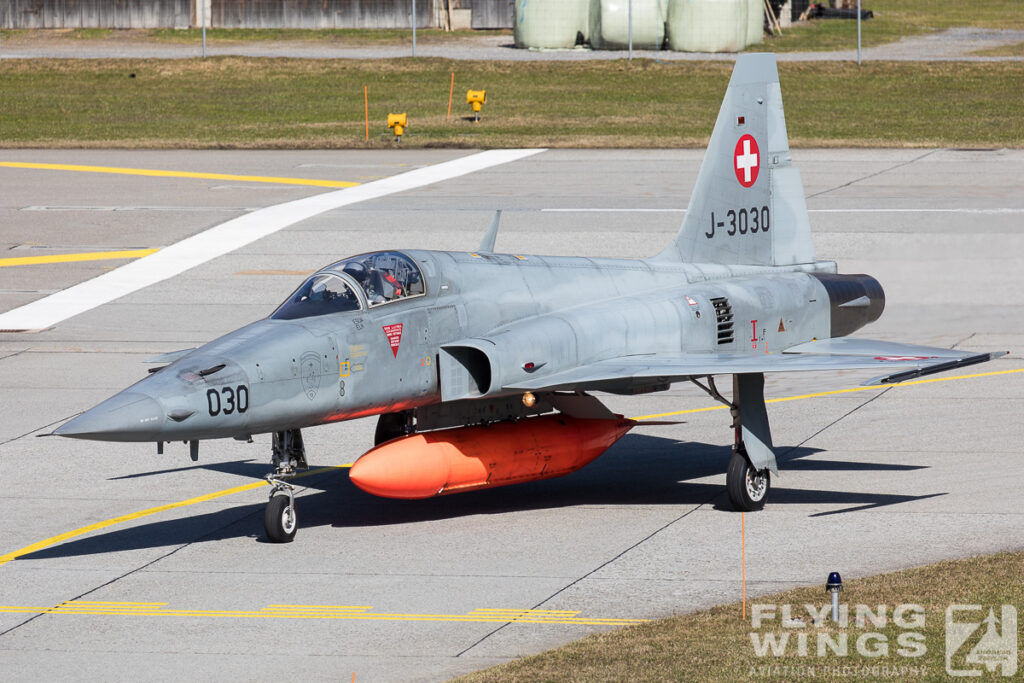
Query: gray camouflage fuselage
[[482, 319]]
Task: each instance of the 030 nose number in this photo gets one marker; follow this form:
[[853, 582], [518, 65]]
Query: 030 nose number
[[227, 400]]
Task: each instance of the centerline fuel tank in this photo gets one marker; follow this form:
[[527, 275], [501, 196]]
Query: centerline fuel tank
[[466, 458]]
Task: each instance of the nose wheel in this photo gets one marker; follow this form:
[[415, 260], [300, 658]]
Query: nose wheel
[[279, 518]]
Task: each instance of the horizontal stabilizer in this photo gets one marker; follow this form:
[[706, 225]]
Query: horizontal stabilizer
[[898, 377]]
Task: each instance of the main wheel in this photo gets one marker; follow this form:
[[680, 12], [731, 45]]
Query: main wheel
[[747, 488], [279, 520]]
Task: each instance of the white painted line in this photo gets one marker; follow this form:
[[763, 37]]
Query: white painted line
[[614, 210], [232, 235], [182, 209], [956, 210]]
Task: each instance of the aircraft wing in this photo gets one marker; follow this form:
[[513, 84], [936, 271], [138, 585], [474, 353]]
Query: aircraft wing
[[899, 362]]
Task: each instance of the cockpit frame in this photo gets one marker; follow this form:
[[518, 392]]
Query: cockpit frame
[[367, 280]]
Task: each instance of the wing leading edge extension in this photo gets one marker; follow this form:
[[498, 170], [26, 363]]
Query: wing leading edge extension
[[900, 363]]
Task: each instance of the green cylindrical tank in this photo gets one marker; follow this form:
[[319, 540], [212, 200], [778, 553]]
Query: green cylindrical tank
[[610, 31], [755, 21], [550, 23], [708, 25]]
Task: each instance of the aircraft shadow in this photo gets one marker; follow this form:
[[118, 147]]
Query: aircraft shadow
[[639, 470], [245, 468]]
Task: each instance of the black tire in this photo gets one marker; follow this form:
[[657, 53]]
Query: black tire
[[280, 520], [748, 489], [389, 426]]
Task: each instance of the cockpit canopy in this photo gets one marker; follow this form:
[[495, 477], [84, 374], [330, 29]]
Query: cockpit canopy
[[382, 276]]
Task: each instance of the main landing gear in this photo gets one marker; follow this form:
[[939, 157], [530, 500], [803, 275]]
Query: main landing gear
[[747, 488], [748, 479], [279, 518]]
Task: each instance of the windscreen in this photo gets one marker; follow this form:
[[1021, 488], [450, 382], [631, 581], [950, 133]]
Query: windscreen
[[321, 294]]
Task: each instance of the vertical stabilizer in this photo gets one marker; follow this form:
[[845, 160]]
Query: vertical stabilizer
[[748, 205]]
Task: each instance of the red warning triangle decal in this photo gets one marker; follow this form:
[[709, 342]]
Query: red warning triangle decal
[[782, 328], [394, 335]]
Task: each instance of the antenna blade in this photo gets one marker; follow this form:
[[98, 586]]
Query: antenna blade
[[487, 245]]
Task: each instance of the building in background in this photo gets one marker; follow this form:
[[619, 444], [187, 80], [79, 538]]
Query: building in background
[[56, 14], [685, 25]]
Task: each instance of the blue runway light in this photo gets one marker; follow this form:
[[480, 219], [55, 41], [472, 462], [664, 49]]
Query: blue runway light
[[833, 585]]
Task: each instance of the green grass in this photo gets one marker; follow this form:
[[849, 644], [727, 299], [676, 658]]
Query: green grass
[[893, 20], [284, 103], [940, 14], [716, 644], [1011, 50]]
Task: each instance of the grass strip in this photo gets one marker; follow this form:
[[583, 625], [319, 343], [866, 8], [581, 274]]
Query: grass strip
[[234, 102], [893, 20], [1010, 50], [717, 644]]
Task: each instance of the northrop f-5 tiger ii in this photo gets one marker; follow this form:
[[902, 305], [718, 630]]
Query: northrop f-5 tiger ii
[[480, 366]]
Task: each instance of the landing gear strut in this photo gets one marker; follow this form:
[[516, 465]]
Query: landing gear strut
[[748, 479], [279, 518]]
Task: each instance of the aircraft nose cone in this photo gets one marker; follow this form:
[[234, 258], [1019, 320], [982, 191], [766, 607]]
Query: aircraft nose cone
[[128, 416]]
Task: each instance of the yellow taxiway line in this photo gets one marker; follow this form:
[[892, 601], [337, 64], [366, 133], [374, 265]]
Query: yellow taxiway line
[[346, 612], [72, 258], [835, 392], [53, 540], [180, 174]]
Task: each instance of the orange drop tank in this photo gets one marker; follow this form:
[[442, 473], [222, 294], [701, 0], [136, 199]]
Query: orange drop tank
[[467, 458]]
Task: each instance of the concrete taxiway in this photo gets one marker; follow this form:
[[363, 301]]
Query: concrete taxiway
[[119, 564]]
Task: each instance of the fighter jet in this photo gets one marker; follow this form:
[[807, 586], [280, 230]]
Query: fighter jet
[[481, 366]]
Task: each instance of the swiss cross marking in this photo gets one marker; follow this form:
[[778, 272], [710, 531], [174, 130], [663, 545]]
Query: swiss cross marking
[[746, 160]]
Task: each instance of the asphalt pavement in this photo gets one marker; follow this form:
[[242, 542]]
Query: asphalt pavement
[[120, 564]]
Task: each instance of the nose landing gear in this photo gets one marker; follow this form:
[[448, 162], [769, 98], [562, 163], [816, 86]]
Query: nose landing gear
[[280, 520]]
